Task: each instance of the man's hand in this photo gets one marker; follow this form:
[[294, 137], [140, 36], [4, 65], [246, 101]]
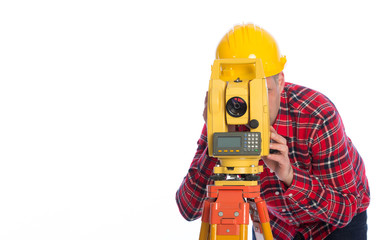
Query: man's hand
[[279, 162], [205, 109]]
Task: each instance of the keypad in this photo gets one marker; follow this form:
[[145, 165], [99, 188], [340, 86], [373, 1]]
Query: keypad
[[251, 142]]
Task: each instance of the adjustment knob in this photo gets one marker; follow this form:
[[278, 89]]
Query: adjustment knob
[[254, 124]]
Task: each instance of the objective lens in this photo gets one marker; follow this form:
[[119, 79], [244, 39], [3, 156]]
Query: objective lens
[[236, 107]]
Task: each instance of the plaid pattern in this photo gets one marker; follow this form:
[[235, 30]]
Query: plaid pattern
[[329, 185], [193, 190]]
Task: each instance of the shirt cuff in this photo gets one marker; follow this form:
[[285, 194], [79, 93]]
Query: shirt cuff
[[307, 192], [300, 187]]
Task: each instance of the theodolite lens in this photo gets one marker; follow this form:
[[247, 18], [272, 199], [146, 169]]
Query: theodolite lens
[[236, 107]]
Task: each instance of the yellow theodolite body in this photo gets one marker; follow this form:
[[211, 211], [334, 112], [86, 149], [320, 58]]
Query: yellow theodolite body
[[238, 95], [238, 85]]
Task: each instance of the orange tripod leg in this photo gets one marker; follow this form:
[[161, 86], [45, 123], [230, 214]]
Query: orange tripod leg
[[204, 229], [264, 219]]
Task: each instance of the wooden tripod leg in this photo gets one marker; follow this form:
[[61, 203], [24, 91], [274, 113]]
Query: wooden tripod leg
[[204, 229], [213, 233], [263, 217], [243, 231]]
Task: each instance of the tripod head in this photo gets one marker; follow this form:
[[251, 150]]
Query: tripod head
[[237, 95]]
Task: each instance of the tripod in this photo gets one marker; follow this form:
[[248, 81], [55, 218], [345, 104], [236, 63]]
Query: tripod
[[226, 210]]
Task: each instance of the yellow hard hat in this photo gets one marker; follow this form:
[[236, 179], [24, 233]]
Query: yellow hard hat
[[251, 41]]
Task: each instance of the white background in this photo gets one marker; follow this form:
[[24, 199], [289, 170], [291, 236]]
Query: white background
[[101, 104]]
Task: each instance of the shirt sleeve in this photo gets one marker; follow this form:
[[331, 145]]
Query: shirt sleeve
[[328, 192], [193, 190]]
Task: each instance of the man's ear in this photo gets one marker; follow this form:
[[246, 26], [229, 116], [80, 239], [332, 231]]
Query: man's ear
[[281, 81]]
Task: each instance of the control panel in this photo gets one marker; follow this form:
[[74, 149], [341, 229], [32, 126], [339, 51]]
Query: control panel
[[237, 144]]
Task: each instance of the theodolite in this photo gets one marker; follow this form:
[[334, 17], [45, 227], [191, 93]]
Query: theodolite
[[237, 96]]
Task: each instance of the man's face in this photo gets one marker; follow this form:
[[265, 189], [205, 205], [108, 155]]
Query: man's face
[[274, 90]]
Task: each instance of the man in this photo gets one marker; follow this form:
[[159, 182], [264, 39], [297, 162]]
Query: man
[[316, 187]]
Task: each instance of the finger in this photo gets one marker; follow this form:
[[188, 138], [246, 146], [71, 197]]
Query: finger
[[273, 160], [278, 138], [205, 108], [280, 147], [271, 164]]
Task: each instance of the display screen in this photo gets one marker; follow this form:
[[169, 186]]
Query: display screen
[[229, 142]]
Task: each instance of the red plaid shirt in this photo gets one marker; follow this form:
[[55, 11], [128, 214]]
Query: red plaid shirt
[[329, 185]]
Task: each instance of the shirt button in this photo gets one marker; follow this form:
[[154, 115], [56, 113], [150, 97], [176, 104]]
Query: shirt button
[[290, 195], [290, 220], [283, 210], [276, 193]]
